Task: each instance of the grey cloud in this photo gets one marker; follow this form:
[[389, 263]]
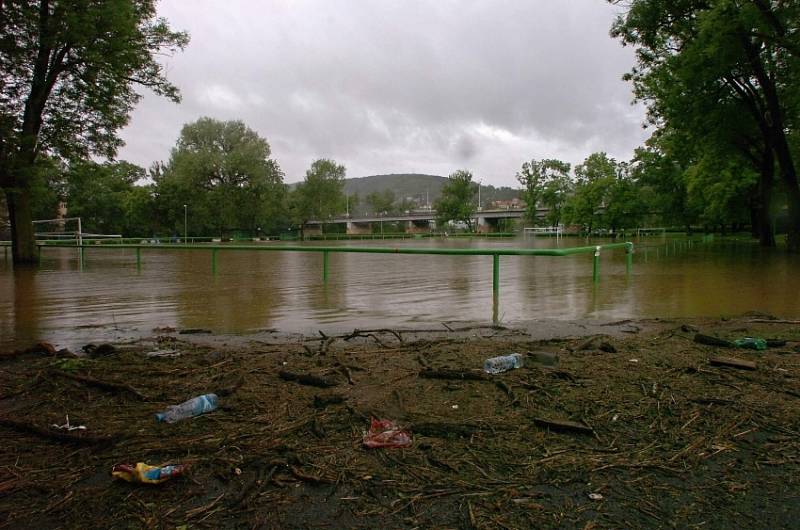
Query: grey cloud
[[401, 85]]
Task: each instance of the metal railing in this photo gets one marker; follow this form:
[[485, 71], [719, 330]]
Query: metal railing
[[325, 250]]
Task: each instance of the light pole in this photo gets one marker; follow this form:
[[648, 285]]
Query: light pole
[[185, 224], [479, 195]]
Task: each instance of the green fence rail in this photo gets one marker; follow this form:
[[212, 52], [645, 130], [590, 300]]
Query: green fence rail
[[214, 249]]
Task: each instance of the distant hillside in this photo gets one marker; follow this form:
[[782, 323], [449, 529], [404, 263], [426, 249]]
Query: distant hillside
[[403, 185], [417, 188]]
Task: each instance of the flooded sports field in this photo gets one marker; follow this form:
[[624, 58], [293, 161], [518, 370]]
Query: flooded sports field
[[252, 291]]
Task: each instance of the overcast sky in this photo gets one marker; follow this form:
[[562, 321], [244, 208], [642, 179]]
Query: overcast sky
[[400, 86]]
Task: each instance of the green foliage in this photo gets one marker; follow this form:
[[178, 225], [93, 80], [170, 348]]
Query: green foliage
[[545, 183], [723, 76], [382, 202], [720, 190], [606, 196], [320, 196], [47, 188], [223, 174], [69, 75], [107, 199], [457, 202]]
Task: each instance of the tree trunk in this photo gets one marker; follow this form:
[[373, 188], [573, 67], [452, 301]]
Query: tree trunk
[[23, 242], [793, 237], [764, 200], [789, 177]]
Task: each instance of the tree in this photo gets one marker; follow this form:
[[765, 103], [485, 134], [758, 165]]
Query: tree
[[381, 201], [546, 182], [625, 205], [660, 169], [352, 202], [321, 194], [594, 180], [701, 62], [457, 201], [223, 173], [720, 190], [107, 199], [69, 68]]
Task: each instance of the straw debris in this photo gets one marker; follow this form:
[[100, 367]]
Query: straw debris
[[650, 435]]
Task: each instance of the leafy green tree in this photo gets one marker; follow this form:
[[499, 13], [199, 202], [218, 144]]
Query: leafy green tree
[[545, 183], [625, 204], [720, 190], [352, 203], [726, 72], [106, 198], [595, 178], [457, 201], [405, 205], [69, 72], [382, 202], [660, 169], [223, 173], [557, 190], [321, 194], [48, 188]]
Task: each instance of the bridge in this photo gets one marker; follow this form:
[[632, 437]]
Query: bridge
[[420, 221]]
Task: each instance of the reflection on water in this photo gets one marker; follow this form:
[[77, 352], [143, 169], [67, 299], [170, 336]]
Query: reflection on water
[[284, 290]]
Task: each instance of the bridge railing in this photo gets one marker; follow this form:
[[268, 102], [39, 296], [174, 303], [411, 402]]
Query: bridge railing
[[495, 253]]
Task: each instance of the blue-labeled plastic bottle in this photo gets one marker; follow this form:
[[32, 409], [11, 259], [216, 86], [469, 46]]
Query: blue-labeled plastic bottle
[[496, 365], [188, 409]]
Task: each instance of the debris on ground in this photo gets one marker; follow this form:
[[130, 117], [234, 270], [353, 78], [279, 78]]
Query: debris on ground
[[732, 362], [503, 363], [386, 434], [189, 409], [751, 343], [101, 350], [542, 358], [677, 439], [708, 340], [68, 427], [146, 474]]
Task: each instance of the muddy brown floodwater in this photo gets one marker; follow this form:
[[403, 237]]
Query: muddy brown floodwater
[[252, 291]]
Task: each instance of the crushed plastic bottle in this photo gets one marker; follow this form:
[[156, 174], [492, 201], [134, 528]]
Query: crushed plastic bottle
[[496, 365], [751, 343], [193, 407], [147, 474]]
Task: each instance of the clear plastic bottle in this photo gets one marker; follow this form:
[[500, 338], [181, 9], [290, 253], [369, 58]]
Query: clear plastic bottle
[[496, 365], [187, 409]]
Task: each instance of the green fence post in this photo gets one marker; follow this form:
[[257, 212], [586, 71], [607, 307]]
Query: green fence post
[[325, 266], [138, 259], [213, 261], [596, 264], [629, 258], [495, 286]]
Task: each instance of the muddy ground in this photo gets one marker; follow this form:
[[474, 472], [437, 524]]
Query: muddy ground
[[660, 436]]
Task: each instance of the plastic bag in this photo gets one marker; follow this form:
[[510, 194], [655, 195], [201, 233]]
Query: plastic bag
[[385, 433]]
